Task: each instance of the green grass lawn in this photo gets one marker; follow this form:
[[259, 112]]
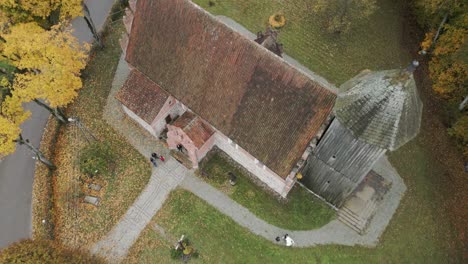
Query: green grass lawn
[[301, 211], [372, 44], [411, 238]]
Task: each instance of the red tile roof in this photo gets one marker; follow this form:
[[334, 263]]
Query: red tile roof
[[195, 128], [142, 96], [252, 96]]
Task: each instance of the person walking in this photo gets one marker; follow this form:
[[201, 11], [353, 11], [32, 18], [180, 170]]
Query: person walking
[[179, 147], [162, 158], [155, 155], [153, 161], [289, 241]]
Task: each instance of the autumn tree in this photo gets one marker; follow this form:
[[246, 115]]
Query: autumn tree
[[12, 115], [48, 65], [47, 13], [430, 13], [447, 25], [36, 10], [339, 15]]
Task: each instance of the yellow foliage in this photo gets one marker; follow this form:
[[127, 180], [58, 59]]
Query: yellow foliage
[[9, 132], [449, 80], [70, 9], [4, 82], [13, 110], [42, 8], [49, 62], [427, 42], [451, 41], [277, 21], [11, 117], [448, 66], [4, 21]]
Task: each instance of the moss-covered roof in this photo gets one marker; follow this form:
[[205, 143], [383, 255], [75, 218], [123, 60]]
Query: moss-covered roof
[[382, 108]]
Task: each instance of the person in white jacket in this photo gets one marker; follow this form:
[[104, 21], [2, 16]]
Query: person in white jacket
[[289, 240]]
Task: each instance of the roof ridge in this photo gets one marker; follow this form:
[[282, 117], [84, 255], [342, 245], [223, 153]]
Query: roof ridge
[[260, 48]]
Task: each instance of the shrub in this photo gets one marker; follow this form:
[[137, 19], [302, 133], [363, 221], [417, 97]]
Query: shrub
[[176, 254], [185, 251], [277, 21], [97, 158], [117, 10]]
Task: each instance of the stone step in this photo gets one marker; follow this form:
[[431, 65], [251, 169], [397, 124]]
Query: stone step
[[350, 223], [350, 218], [350, 214]]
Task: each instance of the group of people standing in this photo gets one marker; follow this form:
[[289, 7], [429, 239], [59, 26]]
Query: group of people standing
[[154, 156]]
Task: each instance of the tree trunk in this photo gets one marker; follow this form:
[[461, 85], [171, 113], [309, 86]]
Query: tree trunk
[[462, 105], [57, 112], [439, 29], [37, 152], [91, 26]]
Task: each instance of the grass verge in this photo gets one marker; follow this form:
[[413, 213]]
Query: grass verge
[[301, 210], [335, 57], [42, 198], [79, 224]]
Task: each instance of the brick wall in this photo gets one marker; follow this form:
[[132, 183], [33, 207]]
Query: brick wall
[[175, 136]]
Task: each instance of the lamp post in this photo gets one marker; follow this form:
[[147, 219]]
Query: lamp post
[[84, 130]]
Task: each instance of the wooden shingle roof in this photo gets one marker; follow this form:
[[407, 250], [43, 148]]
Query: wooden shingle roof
[[252, 96]]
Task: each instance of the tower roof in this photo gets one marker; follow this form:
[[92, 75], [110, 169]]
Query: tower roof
[[382, 108]]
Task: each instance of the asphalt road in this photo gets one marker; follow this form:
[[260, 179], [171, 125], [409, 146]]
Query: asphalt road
[[17, 169]]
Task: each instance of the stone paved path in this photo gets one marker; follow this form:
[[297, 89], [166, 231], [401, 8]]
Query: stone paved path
[[164, 179], [169, 175]]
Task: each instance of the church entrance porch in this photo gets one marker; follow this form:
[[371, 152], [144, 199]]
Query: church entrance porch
[[359, 208]]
